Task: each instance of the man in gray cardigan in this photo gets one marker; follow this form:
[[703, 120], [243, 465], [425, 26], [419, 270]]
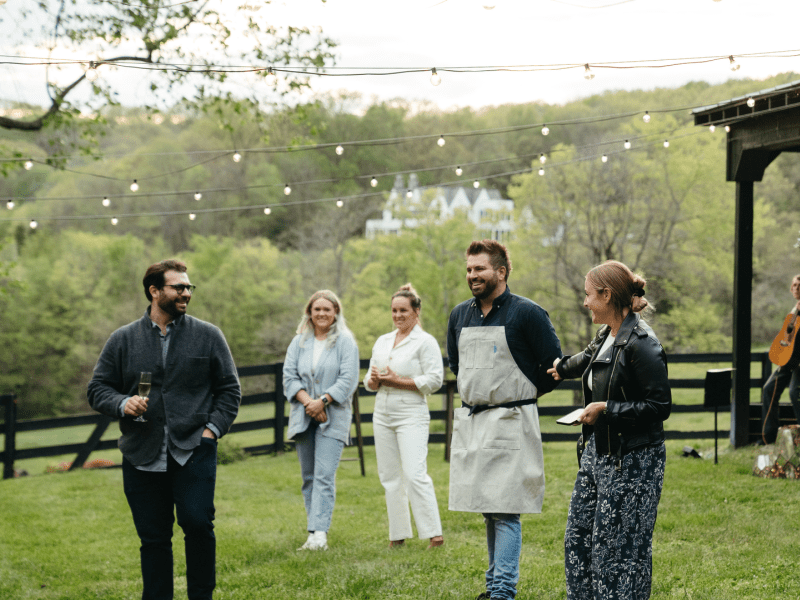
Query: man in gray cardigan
[[170, 457]]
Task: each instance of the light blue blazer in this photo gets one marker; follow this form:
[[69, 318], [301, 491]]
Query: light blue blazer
[[336, 374]]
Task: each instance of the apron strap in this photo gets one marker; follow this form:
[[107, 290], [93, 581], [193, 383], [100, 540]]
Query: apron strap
[[476, 408]]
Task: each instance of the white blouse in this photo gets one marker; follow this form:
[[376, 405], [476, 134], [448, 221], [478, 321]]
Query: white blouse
[[418, 356]]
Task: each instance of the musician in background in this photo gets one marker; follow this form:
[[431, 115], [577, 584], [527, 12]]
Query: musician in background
[[777, 382]]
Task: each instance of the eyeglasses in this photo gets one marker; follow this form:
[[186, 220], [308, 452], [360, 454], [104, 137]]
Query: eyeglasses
[[180, 287]]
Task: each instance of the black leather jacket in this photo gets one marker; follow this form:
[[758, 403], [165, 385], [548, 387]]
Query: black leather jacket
[[632, 380]]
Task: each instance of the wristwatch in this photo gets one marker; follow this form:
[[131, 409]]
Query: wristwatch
[[325, 400]]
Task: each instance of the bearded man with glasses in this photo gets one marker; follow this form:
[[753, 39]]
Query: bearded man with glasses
[[169, 435]]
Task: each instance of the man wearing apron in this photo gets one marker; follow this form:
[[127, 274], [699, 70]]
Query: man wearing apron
[[499, 346]]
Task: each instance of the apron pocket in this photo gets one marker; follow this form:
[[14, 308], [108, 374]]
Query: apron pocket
[[503, 428], [460, 427]]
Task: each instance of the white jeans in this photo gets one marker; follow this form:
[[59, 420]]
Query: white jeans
[[401, 446]]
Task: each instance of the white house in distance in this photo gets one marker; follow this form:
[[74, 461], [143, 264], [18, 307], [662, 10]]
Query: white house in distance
[[485, 207]]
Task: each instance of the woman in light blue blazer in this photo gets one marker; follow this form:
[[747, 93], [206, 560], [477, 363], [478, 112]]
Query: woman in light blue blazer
[[320, 374]]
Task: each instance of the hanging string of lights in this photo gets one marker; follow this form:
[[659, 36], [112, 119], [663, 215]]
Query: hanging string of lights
[[339, 201]]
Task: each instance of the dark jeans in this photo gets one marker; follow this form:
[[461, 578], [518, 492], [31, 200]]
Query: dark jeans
[[151, 496], [776, 383]]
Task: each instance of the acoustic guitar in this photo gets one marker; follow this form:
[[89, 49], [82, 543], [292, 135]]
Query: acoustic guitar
[[784, 352]]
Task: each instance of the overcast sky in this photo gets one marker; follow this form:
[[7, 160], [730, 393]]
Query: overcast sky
[[461, 33]]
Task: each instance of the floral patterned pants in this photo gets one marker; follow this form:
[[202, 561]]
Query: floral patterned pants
[[608, 545]]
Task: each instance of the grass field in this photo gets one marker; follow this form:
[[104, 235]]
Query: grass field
[[721, 534]]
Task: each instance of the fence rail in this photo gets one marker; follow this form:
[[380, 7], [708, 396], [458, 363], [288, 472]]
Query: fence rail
[[13, 426]]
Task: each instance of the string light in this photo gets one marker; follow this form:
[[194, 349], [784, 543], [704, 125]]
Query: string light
[[237, 157], [751, 103], [441, 141], [267, 210], [28, 164], [476, 184], [666, 143], [134, 186], [91, 72], [192, 216], [604, 158], [587, 73], [339, 150], [287, 190], [374, 181], [712, 129], [114, 220], [33, 224], [541, 171], [271, 79], [435, 78], [197, 195], [459, 171], [646, 117], [542, 158], [106, 202], [10, 204], [727, 128], [339, 203], [409, 193], [627, 144], [734, 65], [545, 130]]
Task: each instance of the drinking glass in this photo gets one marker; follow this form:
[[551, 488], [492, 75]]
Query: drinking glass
[[145, 381]]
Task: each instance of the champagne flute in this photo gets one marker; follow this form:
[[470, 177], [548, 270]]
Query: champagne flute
[[145, 382]]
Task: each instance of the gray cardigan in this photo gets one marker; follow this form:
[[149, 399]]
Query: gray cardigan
[[197, 385]]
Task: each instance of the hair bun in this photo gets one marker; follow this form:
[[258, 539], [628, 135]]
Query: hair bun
[[408, 288]]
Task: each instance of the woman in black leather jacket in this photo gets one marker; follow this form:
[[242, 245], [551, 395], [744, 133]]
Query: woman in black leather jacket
[[612, 513]]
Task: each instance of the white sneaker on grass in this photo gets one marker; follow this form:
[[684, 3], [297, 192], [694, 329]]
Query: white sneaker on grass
[[309, 545], [320, 541]]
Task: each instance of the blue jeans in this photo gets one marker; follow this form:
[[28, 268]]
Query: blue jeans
[[504, 540], [189, 491], [319, 458]]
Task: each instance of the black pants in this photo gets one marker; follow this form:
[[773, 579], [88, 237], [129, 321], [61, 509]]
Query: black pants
[[775, 385], [190, 490]]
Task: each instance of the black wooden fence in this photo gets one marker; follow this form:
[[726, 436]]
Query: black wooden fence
[[278, 423]]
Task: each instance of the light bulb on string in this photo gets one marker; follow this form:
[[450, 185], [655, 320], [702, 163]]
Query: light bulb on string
[[435, 78], [751, 103], [627, 144], [114, 220], [545, 130], [541, 171], [10, 204], [33, 224], [734, 65], [542, 158], [197, 195], [727, 128], [271, 79], [192, 216], [287, 190], [604, 158], [666, 143], [409, 193], [339, 149], [237, 157], [441, 141], [134, 186], [267, 210], [373, 182], [459, 171], [91, 72], [339, 203], [711, 128], [587, 72], [28, 164], [646, 117], [106, 202], [476, 184]]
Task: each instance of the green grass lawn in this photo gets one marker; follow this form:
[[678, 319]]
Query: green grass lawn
[[721, 534]]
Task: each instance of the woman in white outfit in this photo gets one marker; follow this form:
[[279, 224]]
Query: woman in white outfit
[[406, 365]]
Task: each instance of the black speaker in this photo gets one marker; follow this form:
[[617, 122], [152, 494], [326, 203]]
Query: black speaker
[[717, 388]]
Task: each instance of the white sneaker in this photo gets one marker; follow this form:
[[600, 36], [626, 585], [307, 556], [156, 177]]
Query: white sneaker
[[320, 541], [309, 545]]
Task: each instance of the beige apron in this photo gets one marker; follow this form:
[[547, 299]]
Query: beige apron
[[496, 462]]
